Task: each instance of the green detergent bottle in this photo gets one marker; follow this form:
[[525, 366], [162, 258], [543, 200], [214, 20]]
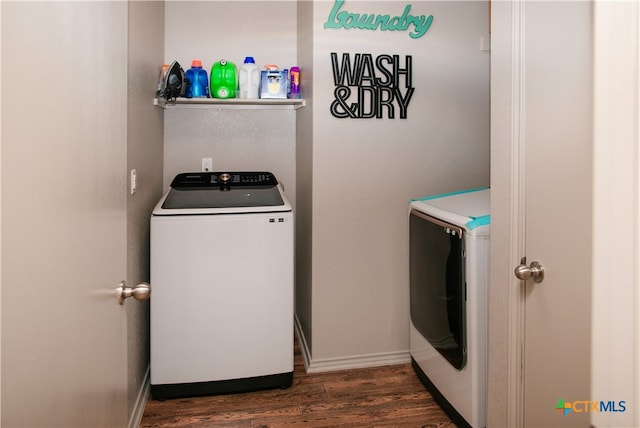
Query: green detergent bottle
[[224, 79]]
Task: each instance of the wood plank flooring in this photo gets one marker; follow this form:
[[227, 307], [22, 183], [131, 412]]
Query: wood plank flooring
[[390, 396]]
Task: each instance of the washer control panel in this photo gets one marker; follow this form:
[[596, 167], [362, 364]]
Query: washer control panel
[[227, 179]]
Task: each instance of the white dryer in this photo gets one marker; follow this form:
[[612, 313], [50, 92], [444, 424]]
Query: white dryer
[[449, 280], [222, 274]]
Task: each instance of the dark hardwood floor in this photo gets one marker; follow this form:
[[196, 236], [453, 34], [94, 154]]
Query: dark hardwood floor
[[390, 396]]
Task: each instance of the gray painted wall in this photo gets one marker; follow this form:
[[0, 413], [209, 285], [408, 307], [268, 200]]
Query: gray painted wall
[[144, 153], [366, 170], [350, 179], [304, 174], [235, 139]]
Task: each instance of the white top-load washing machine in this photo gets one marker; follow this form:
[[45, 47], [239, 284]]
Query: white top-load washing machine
[[222, 275], [449, 280]]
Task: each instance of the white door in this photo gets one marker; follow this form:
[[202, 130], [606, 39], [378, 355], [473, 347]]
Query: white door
[[565, 180], [558, 138], [63, 213]]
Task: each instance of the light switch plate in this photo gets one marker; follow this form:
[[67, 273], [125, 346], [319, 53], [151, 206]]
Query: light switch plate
[[133, 181]]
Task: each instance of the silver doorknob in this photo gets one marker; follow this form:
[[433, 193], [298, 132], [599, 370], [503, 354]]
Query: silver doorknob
[[535, 270], [140, 292]]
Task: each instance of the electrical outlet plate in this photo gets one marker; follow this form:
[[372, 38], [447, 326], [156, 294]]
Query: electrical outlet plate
[[207, 164]]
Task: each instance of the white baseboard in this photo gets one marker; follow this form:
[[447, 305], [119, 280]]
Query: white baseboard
[[138, 410], [351, 362], [302, 343]]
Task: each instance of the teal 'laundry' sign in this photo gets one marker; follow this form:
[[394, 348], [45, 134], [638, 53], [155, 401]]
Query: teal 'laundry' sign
[[417, 26]]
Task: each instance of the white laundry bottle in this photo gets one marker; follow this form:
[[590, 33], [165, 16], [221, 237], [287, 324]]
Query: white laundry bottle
[[249, 79]]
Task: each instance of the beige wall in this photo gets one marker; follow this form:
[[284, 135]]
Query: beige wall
[[144, 153], [235, 139], [304, 175], [366, 170], [350, 179], [503, 396], [615, 369]]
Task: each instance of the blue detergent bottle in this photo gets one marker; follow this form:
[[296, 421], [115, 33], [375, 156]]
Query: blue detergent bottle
[[198, 82]]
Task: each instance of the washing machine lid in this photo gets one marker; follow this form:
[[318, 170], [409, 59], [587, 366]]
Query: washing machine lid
[[468, 208], [223, 192]]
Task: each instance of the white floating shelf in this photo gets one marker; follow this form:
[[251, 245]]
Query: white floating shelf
[[231, 103]]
